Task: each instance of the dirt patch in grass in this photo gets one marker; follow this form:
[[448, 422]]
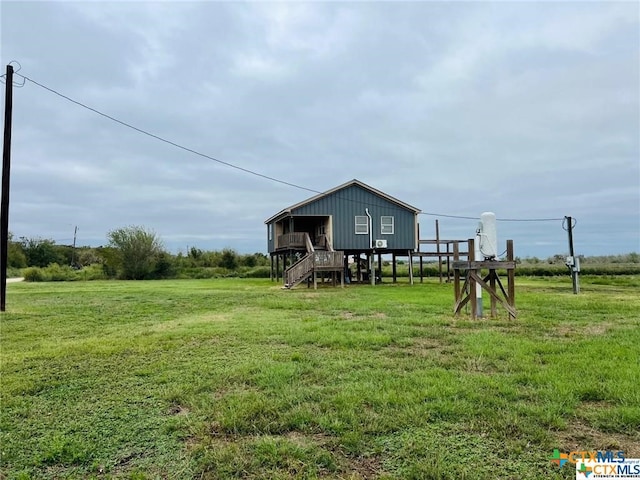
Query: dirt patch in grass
[[580, 436], [347, 467], [352, 316], [306, 439], [422, 347], [177, 409], [364, 468], [596, 329], [185, 322], [355, 467], [310, 295], [427, 343], [441, 351]]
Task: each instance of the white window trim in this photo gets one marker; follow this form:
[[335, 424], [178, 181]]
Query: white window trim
[[365, 224], [383, 225]]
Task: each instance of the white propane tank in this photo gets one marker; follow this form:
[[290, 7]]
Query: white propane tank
[[488, 236]]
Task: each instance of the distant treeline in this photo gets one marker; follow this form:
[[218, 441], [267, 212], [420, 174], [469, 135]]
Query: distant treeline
[[136, 253], [132, 253], [626, 264]]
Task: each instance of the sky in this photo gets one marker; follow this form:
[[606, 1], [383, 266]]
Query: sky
[[528, 110]]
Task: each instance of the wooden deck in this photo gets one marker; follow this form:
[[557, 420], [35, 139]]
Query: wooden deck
[[292, 241], [312, 263]]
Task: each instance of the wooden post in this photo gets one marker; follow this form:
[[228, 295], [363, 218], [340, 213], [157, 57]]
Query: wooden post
[[380, 265], [372, 268], [421, 270], [456, 273], [574, 271], [438, 251], [271, 270], [410, 268], [393, 260], [472, 283], [345, 268], [4, 202], [492, 284], [511, 278]]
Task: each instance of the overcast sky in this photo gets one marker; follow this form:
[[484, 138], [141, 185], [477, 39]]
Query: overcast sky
[[529, 110]]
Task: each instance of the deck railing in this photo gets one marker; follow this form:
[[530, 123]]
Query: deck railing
[[322, 241], [325, 259], [298, 271], [302, 240], [319, 260], [292, 240]]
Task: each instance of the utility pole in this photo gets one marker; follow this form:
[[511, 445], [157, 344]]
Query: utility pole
[[4, 200], [572, 262], [73, 252]]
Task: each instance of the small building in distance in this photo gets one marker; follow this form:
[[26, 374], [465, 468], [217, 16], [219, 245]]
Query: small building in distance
[[340, 231]]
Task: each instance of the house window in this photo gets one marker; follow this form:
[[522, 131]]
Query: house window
[[271, 231], [386, 225], [362, 225]]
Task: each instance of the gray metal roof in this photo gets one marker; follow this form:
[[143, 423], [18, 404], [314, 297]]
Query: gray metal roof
[[288, 210]]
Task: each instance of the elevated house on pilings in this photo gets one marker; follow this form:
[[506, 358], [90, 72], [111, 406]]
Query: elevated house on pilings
[[339, 233]]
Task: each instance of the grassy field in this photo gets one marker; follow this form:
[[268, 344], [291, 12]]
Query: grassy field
[[235, 378]]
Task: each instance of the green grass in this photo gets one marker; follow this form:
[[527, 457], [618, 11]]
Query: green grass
[[235, 378]]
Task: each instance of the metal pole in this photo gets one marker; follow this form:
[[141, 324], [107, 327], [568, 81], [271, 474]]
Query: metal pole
[[573, 266], [4, 201], [478, 256]]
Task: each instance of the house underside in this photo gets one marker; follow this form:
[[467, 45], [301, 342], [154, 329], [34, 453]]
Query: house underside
[[304, 251]]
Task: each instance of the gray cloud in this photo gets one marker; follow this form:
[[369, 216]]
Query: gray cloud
[[528, 110]]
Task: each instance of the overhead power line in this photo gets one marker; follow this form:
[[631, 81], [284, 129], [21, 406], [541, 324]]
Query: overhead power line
[[463, 217], [242, 169], [162, 139]]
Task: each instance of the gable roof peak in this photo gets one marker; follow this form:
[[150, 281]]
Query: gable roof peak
[[350, 183]]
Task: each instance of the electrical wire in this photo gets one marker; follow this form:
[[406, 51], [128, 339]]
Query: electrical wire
[[448, 216], [162, 139], [242, 169], [574, 222], [497, 219], [3, 77]]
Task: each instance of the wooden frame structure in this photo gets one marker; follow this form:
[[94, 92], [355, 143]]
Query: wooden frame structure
[[474, 280], [448, 252]]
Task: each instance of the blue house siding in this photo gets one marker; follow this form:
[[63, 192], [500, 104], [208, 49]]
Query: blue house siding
[[343, 204]]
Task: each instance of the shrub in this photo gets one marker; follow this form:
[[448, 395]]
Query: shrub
[[229, 259], [40, 252], [34, 274], [137, 251], [14, 272], [258, 272], [57, 273], [15, 255], [164, 267], [92, 272]]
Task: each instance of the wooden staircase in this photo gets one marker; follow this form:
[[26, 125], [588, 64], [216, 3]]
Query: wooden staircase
[[314, 261]]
